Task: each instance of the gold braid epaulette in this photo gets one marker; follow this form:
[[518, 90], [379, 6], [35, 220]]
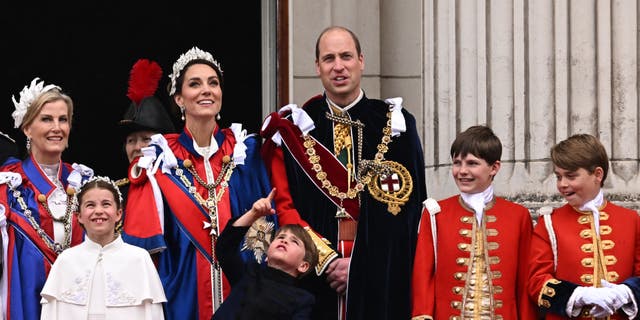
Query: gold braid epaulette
[[325, 253], [122, 182]]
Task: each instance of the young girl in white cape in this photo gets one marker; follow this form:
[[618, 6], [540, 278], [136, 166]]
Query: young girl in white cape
[[103, 277]]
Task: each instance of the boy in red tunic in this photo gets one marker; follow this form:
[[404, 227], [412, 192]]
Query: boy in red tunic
[[471, 256], [582, 251]]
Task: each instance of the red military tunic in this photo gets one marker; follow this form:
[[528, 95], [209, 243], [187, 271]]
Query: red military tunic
[[576, 264], [441, 280]]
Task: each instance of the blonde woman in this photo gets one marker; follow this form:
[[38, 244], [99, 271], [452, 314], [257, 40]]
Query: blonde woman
[[35, 198]]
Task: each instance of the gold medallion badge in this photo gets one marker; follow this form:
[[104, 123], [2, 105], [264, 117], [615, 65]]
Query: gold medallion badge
[[393, 186]]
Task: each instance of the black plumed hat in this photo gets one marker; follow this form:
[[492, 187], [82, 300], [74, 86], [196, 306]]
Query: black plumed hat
[[146, 112]]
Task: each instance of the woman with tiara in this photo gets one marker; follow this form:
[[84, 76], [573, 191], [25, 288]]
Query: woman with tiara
[[36, 199], [187, 186]]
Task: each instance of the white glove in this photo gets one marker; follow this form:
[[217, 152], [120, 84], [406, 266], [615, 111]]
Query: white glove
[[598, 312], [622, 293], [600, 297]]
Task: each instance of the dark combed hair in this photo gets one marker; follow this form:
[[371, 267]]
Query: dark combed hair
[[479, 141]]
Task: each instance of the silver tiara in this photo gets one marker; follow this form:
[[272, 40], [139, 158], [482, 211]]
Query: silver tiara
[[193, 54], [27, 96], [76, 203]]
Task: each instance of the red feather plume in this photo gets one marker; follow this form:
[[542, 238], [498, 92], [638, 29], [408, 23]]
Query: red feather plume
[[143, 80]]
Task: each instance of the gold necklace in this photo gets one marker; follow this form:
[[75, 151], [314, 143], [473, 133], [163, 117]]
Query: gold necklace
[[43, 201], [211, 204], [49, 242], [367, 168]]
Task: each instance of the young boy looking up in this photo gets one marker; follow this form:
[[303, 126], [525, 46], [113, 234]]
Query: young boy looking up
[[472, 249], [271, 291]]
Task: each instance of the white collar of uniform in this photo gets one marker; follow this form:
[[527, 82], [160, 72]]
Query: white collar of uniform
[[206, 151], [593, 205], [349, 106], [477, 201], [92, 245]]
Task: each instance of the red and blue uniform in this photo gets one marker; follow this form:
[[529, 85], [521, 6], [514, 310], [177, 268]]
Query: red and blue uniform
[[184, 249], [28, 256]]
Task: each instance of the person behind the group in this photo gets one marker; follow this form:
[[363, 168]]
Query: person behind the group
[[352, 169], [271, 291], [103, 277], [192, 184], [471, 256], [583, 251], [8, 148], [35, 198], [145, 116]]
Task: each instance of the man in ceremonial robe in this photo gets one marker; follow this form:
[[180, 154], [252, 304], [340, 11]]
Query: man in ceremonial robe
[[351, 169]]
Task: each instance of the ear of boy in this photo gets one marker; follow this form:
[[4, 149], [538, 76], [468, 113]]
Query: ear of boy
[[303, 267]]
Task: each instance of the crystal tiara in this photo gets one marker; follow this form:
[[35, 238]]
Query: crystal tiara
[[193, 54], [76, 203]]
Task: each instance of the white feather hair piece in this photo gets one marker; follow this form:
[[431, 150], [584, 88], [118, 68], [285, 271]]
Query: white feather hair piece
[[27, 96], [193, 54]]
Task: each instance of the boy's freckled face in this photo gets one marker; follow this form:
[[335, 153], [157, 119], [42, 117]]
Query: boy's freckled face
[[473, 174], [579, 186]]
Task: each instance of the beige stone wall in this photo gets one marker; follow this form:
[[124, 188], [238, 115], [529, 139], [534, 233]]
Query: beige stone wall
[[535, 71]]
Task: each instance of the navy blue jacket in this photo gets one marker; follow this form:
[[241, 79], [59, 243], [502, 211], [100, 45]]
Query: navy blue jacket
[[257, 290]]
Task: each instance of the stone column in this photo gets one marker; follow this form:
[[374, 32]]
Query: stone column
[[535, 72]]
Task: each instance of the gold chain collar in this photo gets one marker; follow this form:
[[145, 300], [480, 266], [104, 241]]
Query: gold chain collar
[[211, 204], [223, 180], [67, 220], [367, 168], [43, 201]]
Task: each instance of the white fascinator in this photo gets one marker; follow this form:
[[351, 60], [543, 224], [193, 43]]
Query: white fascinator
[[27, 96]]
